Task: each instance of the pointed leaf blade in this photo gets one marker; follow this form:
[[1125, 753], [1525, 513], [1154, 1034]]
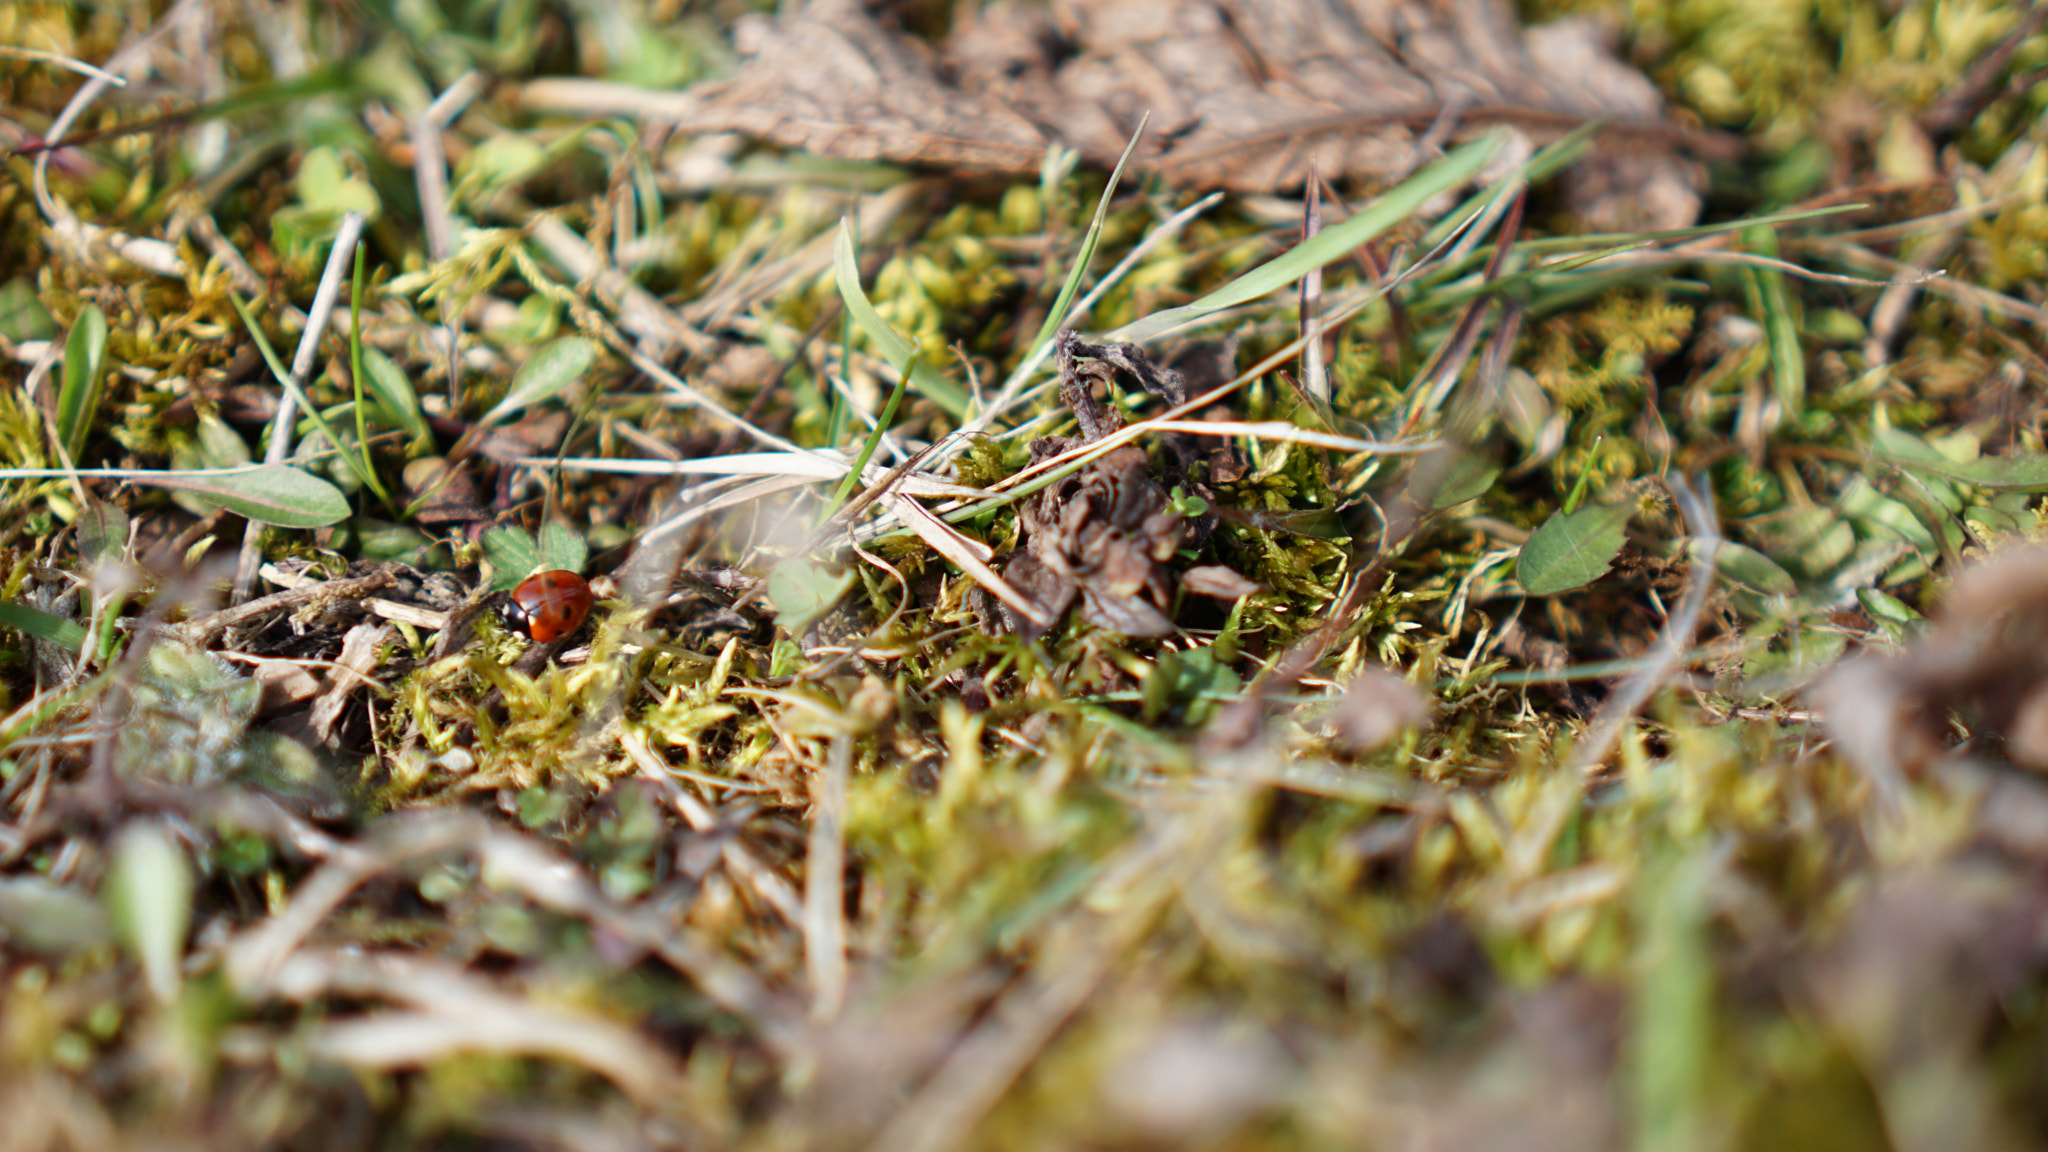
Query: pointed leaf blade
[[79, 398], [1572, 550], [149, 901], [1330, 244], [545, 374], [275, 494]]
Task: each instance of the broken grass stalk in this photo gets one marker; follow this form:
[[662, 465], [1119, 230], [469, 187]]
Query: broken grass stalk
[[1315, 379]]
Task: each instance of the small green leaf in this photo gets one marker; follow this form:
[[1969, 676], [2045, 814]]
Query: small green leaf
[[50, 918], [501, 161], [385, 540], [1186, 503], [1571, 550], [78, 401], [102, 533], [22, 315], [561, 548], [65, 634], [1753, 569], [273, 494], [215, 445], [512, 554], [1890, 613], [149, 902], [545, 374], [325, 186], [1446, 483], [802, 592], [394, 393], [887, 341]]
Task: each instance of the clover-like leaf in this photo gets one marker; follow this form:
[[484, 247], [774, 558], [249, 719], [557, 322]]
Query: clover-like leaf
[[512, 554]]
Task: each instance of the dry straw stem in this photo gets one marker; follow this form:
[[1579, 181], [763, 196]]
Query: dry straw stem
[[454, 1013], [256, 961], [281, 428], [825, 883]]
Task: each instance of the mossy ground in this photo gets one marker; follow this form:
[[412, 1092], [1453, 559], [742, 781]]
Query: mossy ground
[[884, 876]]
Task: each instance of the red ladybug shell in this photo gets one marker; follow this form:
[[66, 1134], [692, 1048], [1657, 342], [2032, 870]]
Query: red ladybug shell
[[549, 605]]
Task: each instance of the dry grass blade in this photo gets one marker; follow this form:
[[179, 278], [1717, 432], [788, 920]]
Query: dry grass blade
[[971, 556], [825, 883], [455, 1013]]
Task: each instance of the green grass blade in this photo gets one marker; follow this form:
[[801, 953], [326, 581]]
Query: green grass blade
[[898, 351], [306, 407], [78, 400], [1072, 288], [1542, 166], [1455, 283], [1329, 245], [867, 450], [368, 471], [1781, 329], [66, 634]]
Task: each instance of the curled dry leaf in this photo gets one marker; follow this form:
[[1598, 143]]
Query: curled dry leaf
[[1104, 535], [1242, 95], [1217, 581], [1985, 657], [1377, 707]]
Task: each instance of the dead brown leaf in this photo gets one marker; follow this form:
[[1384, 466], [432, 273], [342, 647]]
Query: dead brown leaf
[[1378, 706], [1104, 535], [1985, 658], [1242, 94]]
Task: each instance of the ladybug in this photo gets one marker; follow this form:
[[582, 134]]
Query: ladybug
[[549, 605]]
